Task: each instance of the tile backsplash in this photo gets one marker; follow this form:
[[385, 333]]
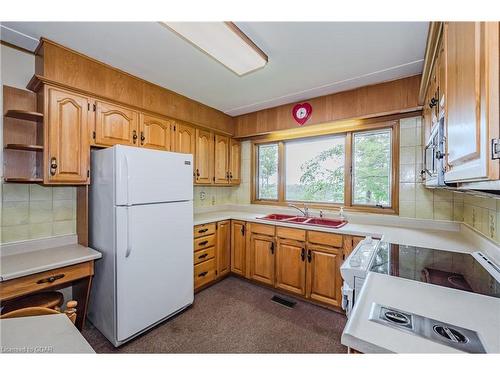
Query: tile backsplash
[[31, 211]]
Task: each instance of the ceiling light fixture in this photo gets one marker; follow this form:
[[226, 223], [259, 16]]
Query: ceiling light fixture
[[223, 41]]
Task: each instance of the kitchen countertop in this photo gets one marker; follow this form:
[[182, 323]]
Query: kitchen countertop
[[20, 264], [464, 309], [41, 334], [432, 234]]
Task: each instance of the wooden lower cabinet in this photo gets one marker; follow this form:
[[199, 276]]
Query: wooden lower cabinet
[[238, 247], [223, 248], [261, 254], [291, 266], [323, 275]]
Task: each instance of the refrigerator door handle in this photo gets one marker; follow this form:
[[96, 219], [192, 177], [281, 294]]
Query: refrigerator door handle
[[124, 177], [129, 247]]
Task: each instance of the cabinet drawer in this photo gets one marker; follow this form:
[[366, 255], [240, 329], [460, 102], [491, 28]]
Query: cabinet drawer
[[38, 281], [204, 242], [290, 233], [204, 230], [203, 255], [204, 273], [267, 230], [322, 238]]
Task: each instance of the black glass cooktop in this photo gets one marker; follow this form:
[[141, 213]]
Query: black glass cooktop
[[445, 268]]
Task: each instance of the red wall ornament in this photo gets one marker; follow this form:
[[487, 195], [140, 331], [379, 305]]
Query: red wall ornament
[[301, 112]]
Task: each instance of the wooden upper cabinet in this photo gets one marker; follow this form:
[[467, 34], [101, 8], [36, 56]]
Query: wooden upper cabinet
[[471, 100], [221, 159], [115, 124], [223, 248], [185, 139], [261, 254], [156, 133], [235, 162], [323, 275], [238, 247], [291, 266], [67, 150], [204, 170]]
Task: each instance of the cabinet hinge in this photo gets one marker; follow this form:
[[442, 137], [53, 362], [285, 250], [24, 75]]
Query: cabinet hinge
[[93, 134], [495, 148], [94, 107], [88, 172], [174, 128], [213, 179], [88, 106]]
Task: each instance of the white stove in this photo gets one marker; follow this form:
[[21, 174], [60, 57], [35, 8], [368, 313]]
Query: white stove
[[354, 270]]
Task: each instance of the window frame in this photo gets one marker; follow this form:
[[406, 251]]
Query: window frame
[[348, 130]]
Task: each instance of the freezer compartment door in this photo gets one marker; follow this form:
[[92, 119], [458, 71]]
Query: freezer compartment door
[[146, 176], [154, 264]]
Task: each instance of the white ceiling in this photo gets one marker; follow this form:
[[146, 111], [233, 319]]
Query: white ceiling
[[306, 59]]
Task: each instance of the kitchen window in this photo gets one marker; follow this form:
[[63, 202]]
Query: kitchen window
[[356, 169]]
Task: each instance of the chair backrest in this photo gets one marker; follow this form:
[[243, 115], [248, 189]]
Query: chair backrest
[[34, 311]]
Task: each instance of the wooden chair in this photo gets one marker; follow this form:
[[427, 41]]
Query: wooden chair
[[34, 311], [51, 300]]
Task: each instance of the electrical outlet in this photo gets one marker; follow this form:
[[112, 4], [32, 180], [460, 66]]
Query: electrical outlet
[[203, 195], [213, 200]]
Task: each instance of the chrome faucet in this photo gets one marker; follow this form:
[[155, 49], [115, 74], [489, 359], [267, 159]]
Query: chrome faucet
[[304, 211]]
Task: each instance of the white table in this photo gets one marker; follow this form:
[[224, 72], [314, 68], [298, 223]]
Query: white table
[[41, 334]]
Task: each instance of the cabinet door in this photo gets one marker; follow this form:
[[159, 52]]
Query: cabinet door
[[185, 139], [156, 133], [221, 159], [238, 247], [204, 157], [115, 125], [67, 149], [223, 248], [235, 162], [323, 275], [291, 266], [471, 100], [262, 258]]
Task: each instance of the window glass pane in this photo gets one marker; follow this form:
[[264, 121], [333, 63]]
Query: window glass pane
[[268, 171], [372, 168], [314, 169]]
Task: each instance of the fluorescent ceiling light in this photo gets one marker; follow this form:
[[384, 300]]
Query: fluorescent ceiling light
[[223, 41]]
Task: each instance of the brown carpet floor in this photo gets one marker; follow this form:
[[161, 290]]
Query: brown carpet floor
[[235, 316]]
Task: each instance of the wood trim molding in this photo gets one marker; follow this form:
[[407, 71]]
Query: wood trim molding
[[431, 51], [373, 101]]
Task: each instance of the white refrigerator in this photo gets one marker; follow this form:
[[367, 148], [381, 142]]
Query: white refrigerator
[[141, 220]]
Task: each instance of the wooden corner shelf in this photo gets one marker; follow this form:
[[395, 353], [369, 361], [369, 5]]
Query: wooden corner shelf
[[23, 180], [24, 115], [23, 147]]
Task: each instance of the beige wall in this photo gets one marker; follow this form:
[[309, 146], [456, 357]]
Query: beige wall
[[30, 211]]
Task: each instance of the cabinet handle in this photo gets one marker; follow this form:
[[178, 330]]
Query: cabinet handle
[[202, 256], [142, 138], [243, 230], [272, 247], [303, 254], [202, 274], [50, 279], [309, 256], [134, 136], [203, 230], [53, 166], [197, 173], [202, 243], [433, 102]]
